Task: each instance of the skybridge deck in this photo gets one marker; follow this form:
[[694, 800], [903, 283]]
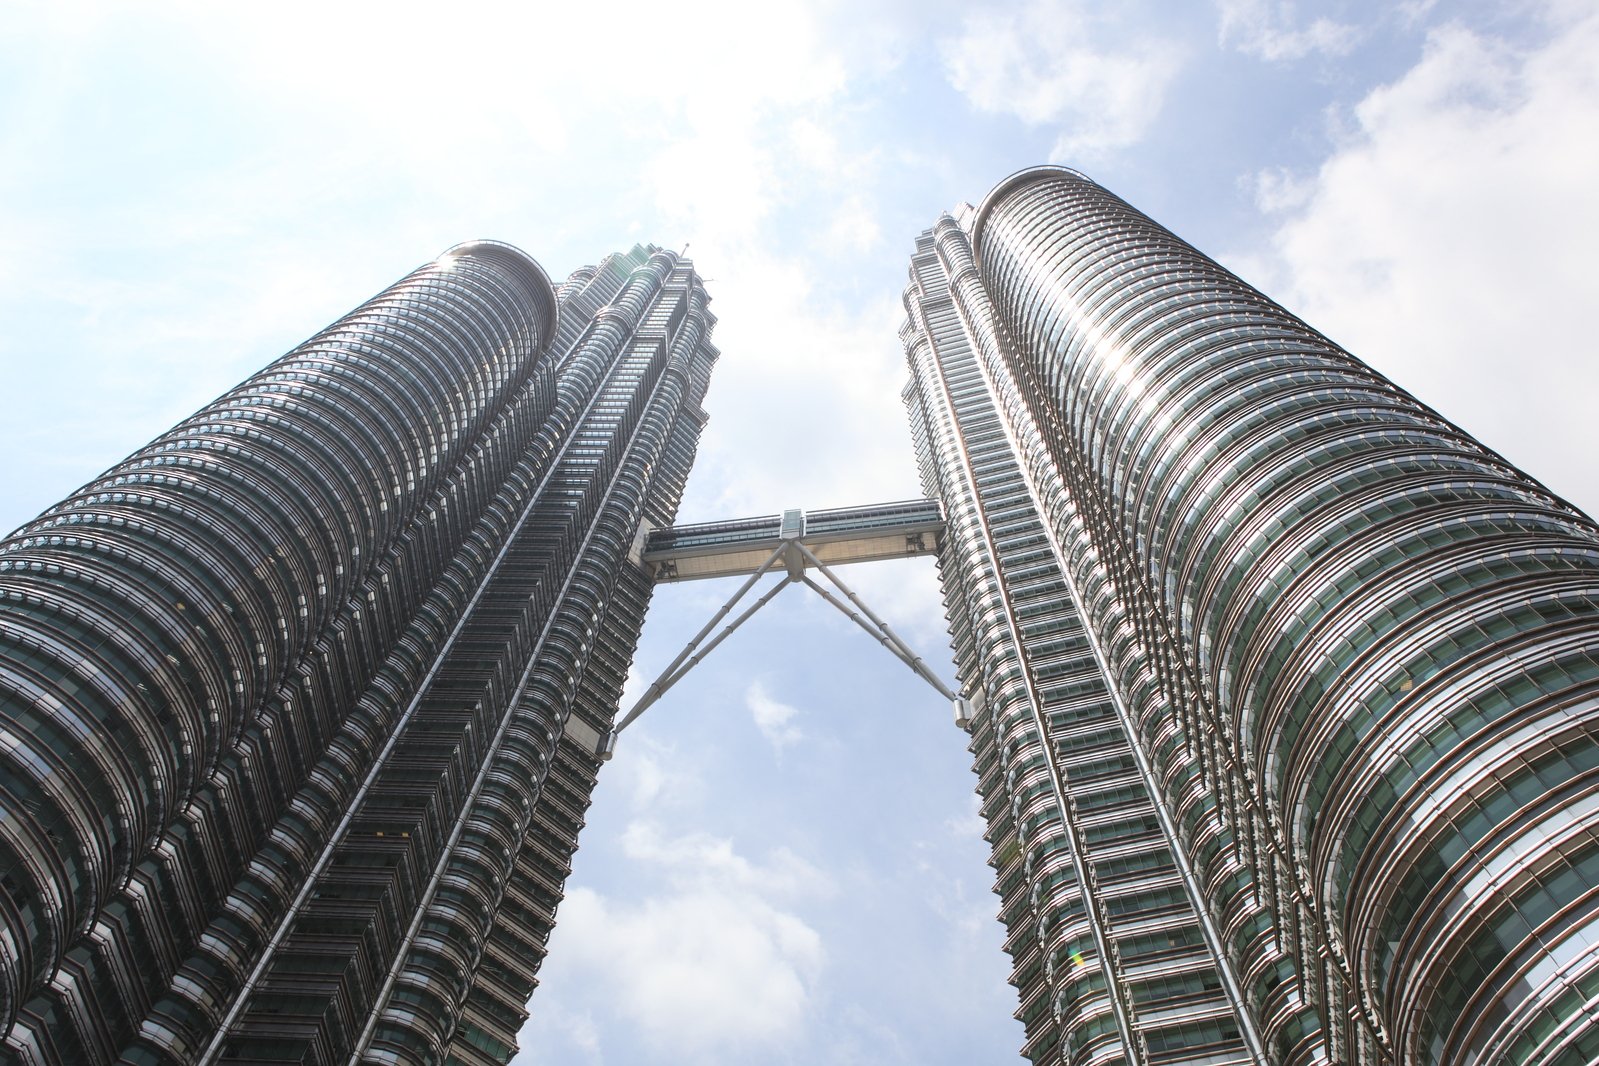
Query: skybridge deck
[[842, 535]]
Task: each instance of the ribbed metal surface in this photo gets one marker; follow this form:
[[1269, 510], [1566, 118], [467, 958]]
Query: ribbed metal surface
[[1113, 960], [288, 688], [1356, 649]]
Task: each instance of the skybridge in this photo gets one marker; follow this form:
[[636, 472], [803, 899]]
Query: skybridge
[[804, 539], [802, 548]]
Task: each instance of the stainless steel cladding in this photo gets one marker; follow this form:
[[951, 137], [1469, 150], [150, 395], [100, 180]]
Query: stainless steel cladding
[[301, 699], [1337, 658]]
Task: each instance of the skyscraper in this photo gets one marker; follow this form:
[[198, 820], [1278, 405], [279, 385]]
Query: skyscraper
[[301, 701], [1281, 689], [1287, 690]]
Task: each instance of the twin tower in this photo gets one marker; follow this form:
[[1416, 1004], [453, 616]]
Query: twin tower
[[1283, 692]]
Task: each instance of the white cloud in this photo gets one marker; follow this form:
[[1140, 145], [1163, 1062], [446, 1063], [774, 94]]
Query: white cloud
[[718, 185], [905, 594], [1270, 30], [815, 145], [576, 1030], [971, 823], [773, 718], [1449, 242], [655, 775], [1043, 64], [451, 125], [717, 962], [1413, 11], [853, 228], [632, 688], [699, 972], [1279, 189], [966, 912], [518, 68], [703, 861], [805, 401]]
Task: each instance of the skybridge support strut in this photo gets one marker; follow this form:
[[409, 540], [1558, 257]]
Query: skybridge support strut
[[797, 543]]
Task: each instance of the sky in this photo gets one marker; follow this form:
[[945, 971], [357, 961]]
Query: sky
[[783, 863]]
